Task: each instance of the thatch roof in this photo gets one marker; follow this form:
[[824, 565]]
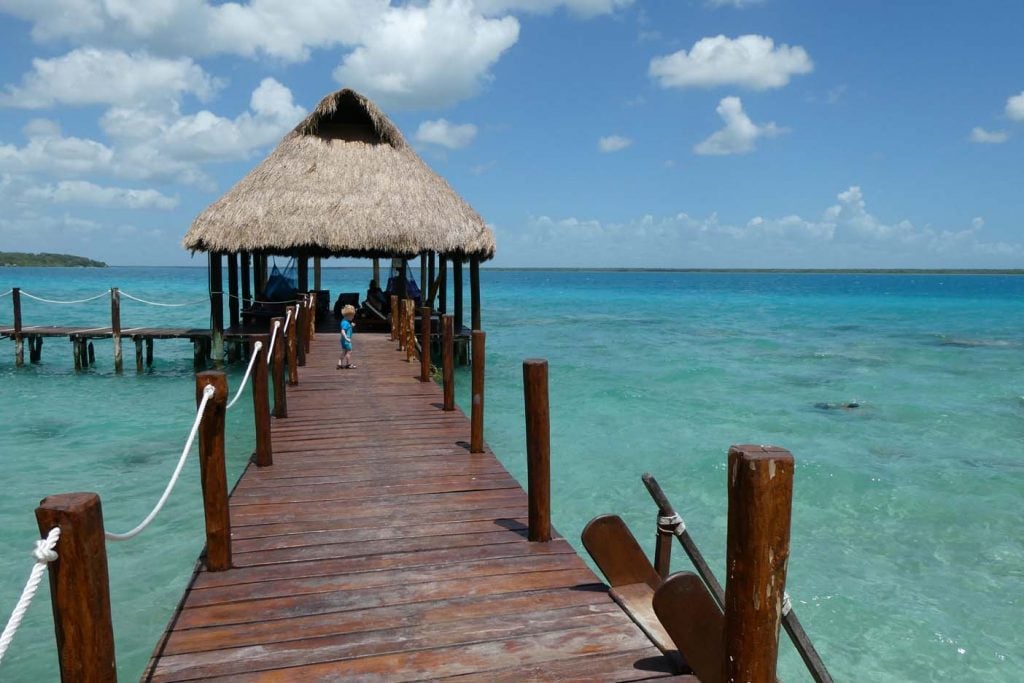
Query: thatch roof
[[344, 182]]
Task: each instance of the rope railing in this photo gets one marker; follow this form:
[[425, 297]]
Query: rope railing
[[164, 305], [273, 339], [261, 301], [56, 301], [7, 293], [245, 380], [207, 395], [43, 554]]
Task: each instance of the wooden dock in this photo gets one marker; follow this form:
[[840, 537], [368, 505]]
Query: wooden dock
[[377, 547]]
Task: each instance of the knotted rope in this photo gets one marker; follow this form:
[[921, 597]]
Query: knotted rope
[[54, 301], [44, 554], [157, 303], [248, 371], [207, 395]]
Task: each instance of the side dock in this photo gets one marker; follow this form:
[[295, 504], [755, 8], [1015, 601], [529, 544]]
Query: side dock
[[377, 547]]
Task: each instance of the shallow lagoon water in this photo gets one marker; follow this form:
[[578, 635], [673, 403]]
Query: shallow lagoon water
[[907, 559]]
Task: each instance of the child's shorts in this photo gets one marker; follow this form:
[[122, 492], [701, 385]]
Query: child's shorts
[[346, 346]]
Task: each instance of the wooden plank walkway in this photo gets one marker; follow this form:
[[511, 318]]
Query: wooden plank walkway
[[377, 548]]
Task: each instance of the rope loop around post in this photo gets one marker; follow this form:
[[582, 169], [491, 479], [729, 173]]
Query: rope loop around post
[[207, 395], [252, 361], [58, 301], [673, 524], [273, 339], [44, 554]]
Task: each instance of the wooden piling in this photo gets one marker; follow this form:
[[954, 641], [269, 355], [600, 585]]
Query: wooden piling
[[538, 448], [264, 455], [448, 360], [115, 328], [91, 351], [138, 354], [277, 369], [301, 331], [393, 317], [76, 352], [35, 349], [19, 349], [760, 483], [213, 474], [425, 344], [292, 341], [80, 587], [149, 352], [476, 425]]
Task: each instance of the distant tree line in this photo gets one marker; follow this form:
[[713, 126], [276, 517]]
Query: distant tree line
[[16, 258]]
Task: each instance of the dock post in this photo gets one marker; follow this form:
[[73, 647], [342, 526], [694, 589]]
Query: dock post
[[216, 307], [538, 448], [393, 317], [212, 471], [115, 328], [663, 550], [292, 348], [92, 351], [448, 361], [138, 354], [277, 372], [760, 482], [35, 349], [76, 351], [264, 455], [410, 330], [149, 352], [19, 347], [311, 320], [80, 587], [476, 425], [300, 330], [425, 344], [400, 324]]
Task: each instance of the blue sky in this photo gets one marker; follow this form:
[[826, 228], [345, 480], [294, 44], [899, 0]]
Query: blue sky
[[640, 133]]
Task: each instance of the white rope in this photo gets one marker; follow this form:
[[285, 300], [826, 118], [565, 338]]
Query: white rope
[[157, 303], [207, 395], [675, 524], [9, 291], [287, 319], [53, 301], [252, 361], [273, 338], [44, 554], [787, 604]]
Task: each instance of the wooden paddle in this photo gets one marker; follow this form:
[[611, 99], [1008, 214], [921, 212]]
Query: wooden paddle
[[695, 623]]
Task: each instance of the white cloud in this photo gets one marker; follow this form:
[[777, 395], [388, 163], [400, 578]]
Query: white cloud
[[583, 8], [751, 61], [427, 56], [88, 194], [446, 134], [613, 143], [845, 234], [48, 150], [739, 135], [991, 137], [1015, 107], [91, 76]]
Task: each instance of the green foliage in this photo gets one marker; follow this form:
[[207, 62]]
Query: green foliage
[[15, 258]]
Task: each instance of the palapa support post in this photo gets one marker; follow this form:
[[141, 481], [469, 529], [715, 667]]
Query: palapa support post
[[442, 290], [425, 344], [264, 455], [212, 472], [448, 360], [302, 274], [376, 270], [115, 328], [538, 448], [292, 341], [457, 304], [246, 278], [428, 287], [216, 307], [393, 317], [19, 348], [424, 284], [138, 354], [760, 482], [317, 273], [301, 331], [277, 371], [474, 292], [476, 423], [235, 348], [80, 587]]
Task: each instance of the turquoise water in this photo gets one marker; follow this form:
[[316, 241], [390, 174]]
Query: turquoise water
[[907, 557]]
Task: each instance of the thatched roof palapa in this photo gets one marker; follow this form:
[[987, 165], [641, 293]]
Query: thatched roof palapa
[[344, 182]]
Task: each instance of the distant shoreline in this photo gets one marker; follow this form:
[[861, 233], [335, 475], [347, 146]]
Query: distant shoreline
[[20, 259]]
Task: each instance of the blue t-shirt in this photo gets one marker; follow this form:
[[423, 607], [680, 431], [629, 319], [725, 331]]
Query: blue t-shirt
[[346, 329]]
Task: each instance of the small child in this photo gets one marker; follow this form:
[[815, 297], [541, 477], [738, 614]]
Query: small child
[[347, 329]]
